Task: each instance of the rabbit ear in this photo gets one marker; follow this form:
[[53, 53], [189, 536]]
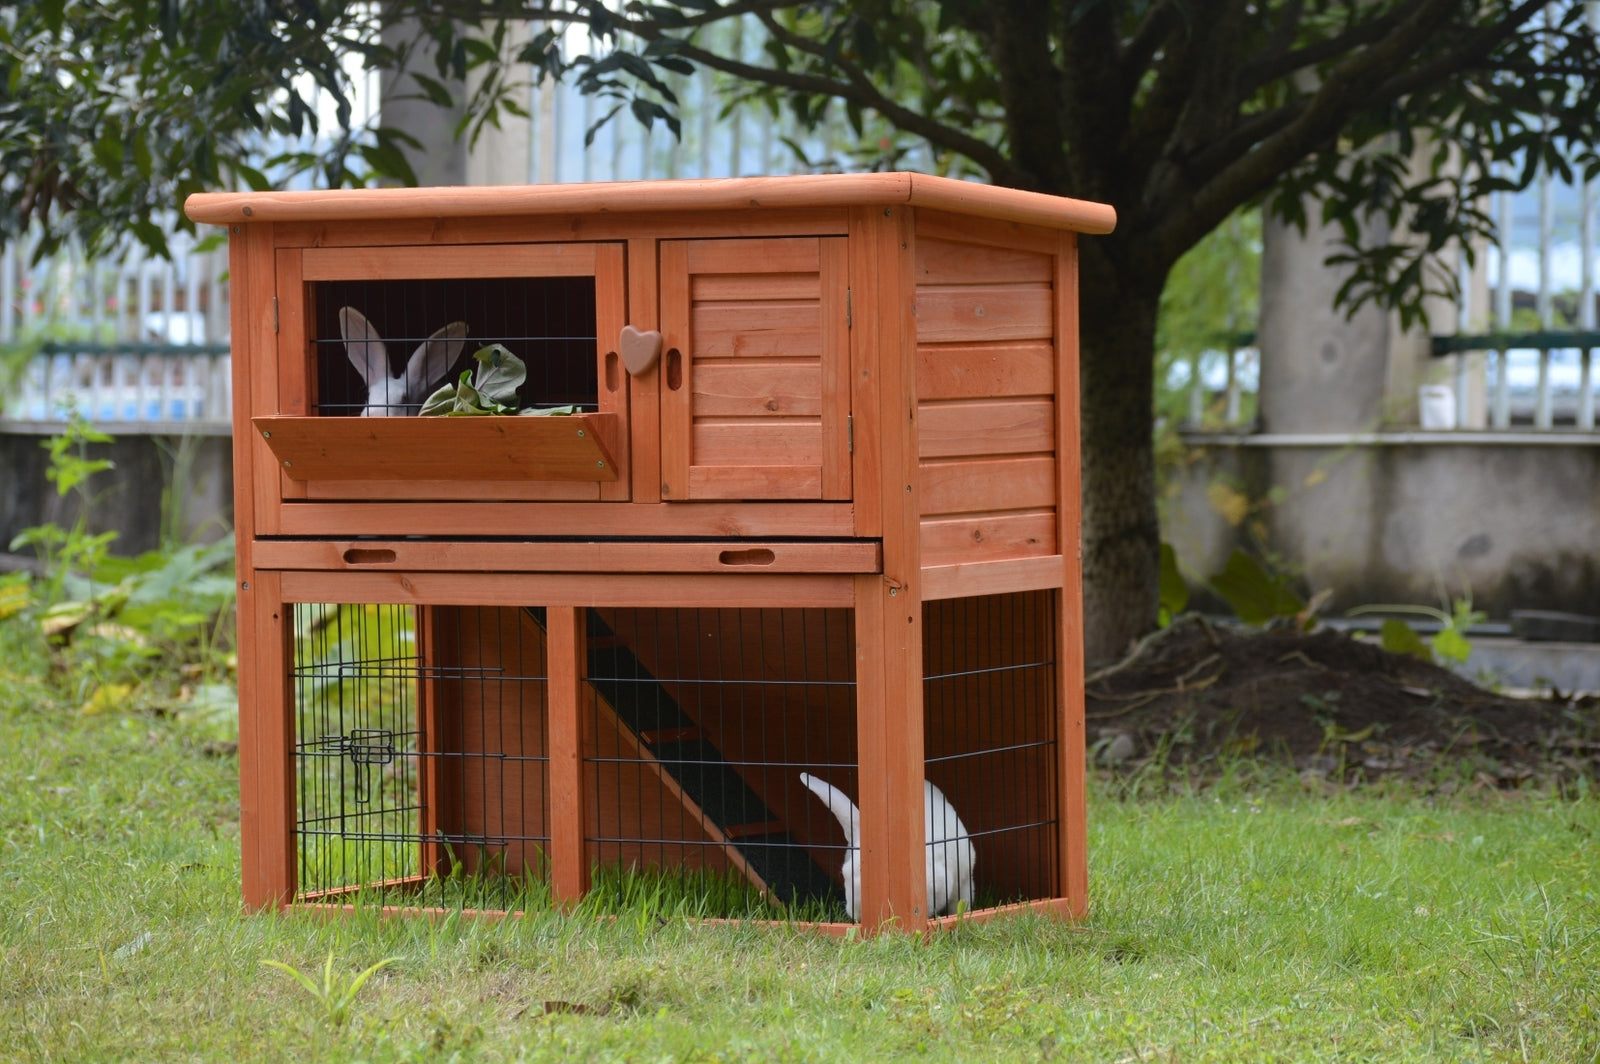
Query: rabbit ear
[[366, 348], [433, 358]]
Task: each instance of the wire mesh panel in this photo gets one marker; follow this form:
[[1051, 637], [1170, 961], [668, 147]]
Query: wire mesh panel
[[423, 333], [357, 731], [421, 754], [701, 724], [990, 737]]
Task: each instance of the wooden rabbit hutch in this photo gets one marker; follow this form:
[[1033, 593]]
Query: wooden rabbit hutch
[[816, 512]]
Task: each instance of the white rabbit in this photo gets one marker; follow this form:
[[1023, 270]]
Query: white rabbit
[[950, 851], [401, 395]]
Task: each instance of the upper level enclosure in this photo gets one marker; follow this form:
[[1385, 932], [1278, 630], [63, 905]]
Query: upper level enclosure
[[760, 357]]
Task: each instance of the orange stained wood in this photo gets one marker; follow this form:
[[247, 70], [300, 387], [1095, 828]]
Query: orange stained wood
[[569, 868], [565, 589], [747, 556], [266, 745], [736, 519], [975, 485], [427, 261], [1002, 426], [726, 194], [644, 391], [1073, 740], [968, 371], [765, 323], [991, 577], [461, 448], [964, 313], [492, 231], [975, 537]]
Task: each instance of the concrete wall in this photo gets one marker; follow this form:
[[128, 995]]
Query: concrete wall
[[129, 497], [1513, 519]]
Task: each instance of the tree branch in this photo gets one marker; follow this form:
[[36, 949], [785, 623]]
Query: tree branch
[[1341, 95]]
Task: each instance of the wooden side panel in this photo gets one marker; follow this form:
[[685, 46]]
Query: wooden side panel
[[986, 388], [611, 314], [494, 740], [992, 734], [755, 402]]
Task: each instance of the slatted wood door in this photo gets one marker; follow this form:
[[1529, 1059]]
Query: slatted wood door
[[755, 403]]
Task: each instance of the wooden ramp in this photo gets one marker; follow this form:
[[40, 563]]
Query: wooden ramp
[[690, 766]]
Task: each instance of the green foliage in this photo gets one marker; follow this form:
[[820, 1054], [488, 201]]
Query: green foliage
[[1449, 642], [335, 993], [66, 552], [1256, 595], [1174, 591], [1398, 637], [150, 631], [490, 388]]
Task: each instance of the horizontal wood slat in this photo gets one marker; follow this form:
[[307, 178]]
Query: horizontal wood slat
[[638, 590], [757, 330], [992, 577], [756, 389], [1015, 426], [975, 537], [767, 441], [711, 518], [949, 262], [983, 485], [426, 262], [443, 448], [985, 370], [750, 556], [755, 482], [766, 256], [709, 287], [950, 314]]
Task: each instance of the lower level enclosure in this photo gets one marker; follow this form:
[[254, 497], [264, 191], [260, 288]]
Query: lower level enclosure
[[423, 738]]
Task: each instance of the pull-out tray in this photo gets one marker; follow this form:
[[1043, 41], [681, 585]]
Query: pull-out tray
[[575, 448]]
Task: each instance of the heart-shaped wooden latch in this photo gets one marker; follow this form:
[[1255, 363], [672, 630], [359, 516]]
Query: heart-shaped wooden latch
[[639, 350]]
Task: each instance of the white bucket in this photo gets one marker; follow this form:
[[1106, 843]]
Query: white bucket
[[1437, 403]]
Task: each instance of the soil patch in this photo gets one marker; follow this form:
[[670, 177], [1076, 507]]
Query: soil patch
[[1196, 696]]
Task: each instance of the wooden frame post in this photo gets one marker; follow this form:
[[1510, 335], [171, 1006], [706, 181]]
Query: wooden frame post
[[1070, 738], [889, 605], [266, 745], [569, 872]]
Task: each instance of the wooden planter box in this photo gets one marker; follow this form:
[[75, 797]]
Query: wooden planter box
[[865, 400]]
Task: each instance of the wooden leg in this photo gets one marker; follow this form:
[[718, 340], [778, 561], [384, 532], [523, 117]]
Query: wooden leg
[[889, 740], [266, 744], [1073, 815], [569, 872]]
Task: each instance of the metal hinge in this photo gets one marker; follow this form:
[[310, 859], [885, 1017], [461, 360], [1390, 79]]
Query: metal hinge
[[850, 431], [274, 313]]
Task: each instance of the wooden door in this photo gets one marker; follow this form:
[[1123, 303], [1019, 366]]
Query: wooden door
[[755, 400]]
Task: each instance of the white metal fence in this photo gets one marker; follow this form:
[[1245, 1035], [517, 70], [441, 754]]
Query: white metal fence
[[127, 339]]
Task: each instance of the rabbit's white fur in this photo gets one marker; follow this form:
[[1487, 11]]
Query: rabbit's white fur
[[404, 394], [950, 851]]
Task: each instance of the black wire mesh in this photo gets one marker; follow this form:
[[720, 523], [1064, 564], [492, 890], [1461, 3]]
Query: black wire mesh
[[420, 754], [705, 720], [548, 322], [990, 736]]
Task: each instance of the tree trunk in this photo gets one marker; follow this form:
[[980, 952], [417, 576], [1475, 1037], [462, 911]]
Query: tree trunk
[[1121, 536]]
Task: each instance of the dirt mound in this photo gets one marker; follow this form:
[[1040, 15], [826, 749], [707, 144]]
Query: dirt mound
[[1333, 706]]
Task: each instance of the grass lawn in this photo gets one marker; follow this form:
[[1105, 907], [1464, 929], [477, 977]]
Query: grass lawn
[[1242, 923]]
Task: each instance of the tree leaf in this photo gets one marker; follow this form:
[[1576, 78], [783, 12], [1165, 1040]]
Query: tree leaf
[[1256, 595]]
